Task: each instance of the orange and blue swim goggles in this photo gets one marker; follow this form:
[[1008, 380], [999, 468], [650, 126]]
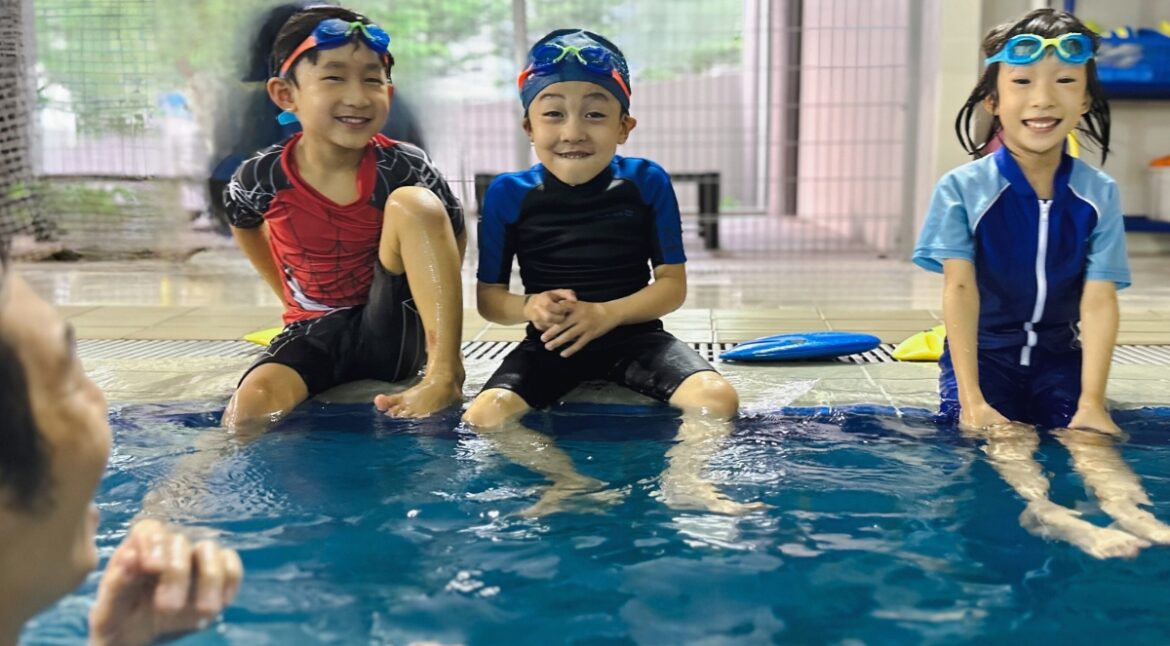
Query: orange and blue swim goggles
[[1025, 49], [549, 57], [335, 32]]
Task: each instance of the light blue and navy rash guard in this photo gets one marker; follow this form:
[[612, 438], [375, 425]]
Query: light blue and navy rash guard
[[1032, 257], [599, 239]]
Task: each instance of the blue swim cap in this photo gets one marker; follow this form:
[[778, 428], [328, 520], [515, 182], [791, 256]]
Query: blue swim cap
[[575, 55]]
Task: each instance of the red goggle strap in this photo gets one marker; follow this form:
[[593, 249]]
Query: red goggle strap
[[523, 78], [309, 43]]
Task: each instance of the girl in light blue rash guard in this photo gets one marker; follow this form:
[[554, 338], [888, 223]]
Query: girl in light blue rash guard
[[1030, 240], [1032, 247]]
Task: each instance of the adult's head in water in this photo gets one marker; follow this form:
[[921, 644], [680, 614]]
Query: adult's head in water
[[54, 443]]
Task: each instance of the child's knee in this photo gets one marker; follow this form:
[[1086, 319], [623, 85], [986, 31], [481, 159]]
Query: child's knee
[[269, 390], [418, 206], [707, 392], [493, 407]]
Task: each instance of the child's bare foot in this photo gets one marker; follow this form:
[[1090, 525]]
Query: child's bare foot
[[1139, 522], [1050, 520], [432, 394], [584, 495], [701, 495]]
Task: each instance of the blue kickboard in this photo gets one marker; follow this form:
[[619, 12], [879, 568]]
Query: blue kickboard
[[806, 345]]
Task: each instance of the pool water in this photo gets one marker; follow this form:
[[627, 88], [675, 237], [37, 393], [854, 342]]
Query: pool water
[[882, 528]]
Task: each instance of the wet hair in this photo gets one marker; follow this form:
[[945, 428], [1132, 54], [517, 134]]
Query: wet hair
[[1047, 23], [297, 28], [24, 462], [261, 35]]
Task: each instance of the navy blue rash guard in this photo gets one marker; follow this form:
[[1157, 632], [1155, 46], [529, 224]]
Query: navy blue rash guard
[[599, 239], [1031, 256]]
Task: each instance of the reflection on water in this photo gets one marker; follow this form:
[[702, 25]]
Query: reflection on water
[[880, 529]]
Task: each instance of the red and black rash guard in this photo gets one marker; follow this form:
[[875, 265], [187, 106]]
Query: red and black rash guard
[[326, 251]]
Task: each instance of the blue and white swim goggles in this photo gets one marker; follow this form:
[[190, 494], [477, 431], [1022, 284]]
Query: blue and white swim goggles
[[1025, 49]]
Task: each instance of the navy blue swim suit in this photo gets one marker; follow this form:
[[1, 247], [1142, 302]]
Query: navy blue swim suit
[[1032, 258], [600, 240]]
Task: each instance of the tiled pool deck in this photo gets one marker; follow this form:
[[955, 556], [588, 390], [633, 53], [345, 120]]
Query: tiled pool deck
[[216, 297]]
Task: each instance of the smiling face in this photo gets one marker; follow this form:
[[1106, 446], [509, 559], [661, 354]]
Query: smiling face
[[1038, 105], [341, 99], [47, 550], [576, 127]]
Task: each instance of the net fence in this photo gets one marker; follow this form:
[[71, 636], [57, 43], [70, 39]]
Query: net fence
[[784, 122], [19, 198]]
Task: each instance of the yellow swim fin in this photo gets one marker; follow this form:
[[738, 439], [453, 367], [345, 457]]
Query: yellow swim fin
[[924, 346], [263, 337]]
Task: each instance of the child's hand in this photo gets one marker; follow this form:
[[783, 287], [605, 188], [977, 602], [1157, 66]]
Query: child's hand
[[584, 323], [981, 416], [1094, 417], [547, 309]]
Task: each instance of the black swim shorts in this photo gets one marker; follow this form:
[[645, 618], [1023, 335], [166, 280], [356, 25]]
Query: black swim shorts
[[382, 339], [642, 357]]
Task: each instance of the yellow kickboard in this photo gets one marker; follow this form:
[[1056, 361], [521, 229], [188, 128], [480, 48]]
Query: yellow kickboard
[[263, 337], [924, 346]]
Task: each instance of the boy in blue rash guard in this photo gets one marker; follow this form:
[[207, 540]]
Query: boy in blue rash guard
[[587, 225], [1031, 244]]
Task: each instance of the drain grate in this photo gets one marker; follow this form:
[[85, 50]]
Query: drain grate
[[1142, 355], [494, 350], [490, 351], [884, 353], [487, 350], [141, 349]]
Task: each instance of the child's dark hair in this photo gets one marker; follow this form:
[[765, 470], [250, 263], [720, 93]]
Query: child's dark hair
[[300, 26], [1047, 23]]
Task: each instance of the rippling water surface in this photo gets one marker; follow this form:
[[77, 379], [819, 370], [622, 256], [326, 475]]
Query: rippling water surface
[[360, 529]]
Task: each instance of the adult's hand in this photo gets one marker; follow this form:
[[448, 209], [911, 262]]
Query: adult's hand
[[160, 584]]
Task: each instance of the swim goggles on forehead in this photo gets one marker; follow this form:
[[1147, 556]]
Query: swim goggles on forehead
[[549, 57], [335, 32], [1025, 49]]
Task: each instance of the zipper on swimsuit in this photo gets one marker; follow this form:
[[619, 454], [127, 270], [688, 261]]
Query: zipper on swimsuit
[[1041, 284]]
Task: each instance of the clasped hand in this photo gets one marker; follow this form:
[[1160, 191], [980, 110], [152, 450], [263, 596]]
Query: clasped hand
[[566, 321]]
